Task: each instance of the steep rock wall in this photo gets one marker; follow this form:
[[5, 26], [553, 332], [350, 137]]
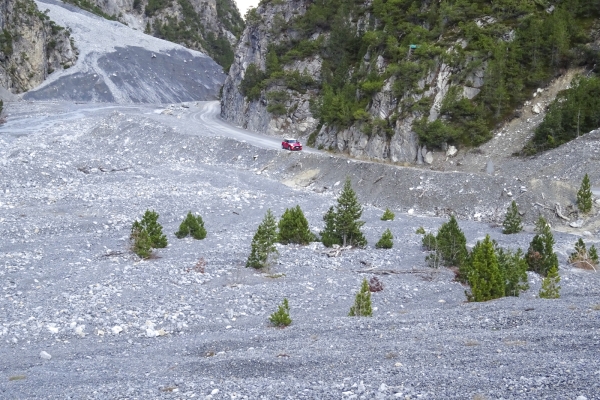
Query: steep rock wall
[[31, 46], [252, 48]]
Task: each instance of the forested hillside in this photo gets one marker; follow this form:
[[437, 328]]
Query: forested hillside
[[415, 72]]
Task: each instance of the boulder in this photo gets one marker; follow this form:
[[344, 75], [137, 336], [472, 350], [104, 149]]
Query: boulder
[[428, 157], [452, 151]]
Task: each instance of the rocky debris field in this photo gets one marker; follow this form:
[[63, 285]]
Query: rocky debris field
[[82, 317]]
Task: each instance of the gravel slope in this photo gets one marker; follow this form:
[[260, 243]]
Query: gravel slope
[[119, 64], [118, 327]]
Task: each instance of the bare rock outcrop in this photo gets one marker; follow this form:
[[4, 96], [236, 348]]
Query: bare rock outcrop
[[31, 46]]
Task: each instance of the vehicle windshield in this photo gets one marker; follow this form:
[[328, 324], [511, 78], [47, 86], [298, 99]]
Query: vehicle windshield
[[291, 140]]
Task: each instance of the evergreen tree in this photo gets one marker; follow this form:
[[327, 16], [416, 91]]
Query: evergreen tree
[[484, 276], [593, 254], [329, 236], [193, 226], [540, 255], [451, 243], [388, 215], [584, 196], [293, 227], [580, 252], [1, 107], [149, 223], [281, 317], [362, 302], [512, 221], [550, 288], [513, 268], [263, 242], [347, 213], [386, 241], [140, 242]]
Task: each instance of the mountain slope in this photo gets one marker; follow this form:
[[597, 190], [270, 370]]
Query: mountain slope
[[122, 65], [31, 46], [210, 26], [392, 79]]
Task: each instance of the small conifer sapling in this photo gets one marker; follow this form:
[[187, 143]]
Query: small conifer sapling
[[193, 226], [140, 242], [329, 236], [293, 227], [584, 195], [386, 241], [540, 255], [263, 242], [512, 221], [388, 215], [484, 275], [550, 285], [281, 317], [362, 302], [150, 224], [347, 214]]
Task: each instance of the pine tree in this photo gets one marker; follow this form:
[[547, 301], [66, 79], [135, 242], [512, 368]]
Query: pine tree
[[329, 236], [550, 288], [193, 226], [484, 276], [513, 268], [512, 221], [149, 223], [388, 215], [580, 252], [593, 254], [293, 227], [140, 242], [263, 242], [347, 213], [584, 196], [451, 243], [281, 317], [386, 241], [362, 302], [540, 255], [1, 107]]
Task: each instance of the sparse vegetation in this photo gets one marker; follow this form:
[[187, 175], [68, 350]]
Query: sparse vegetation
[[484, 275], [281, 317], [388, 215], [192, 226], [583, 258], [540, 255], [584, 195], [448, 247], [293, 227], [263, 242], [362, 302], [386, 241], [420, 231], [512, 220], [550, 285], [147, 234], [342, 225]]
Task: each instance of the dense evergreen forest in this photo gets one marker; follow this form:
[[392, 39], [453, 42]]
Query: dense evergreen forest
[[519, 44]]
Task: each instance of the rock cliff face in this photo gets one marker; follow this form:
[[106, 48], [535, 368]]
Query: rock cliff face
[[31, 46], [398, 143], [260, 33], [210, 26]]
